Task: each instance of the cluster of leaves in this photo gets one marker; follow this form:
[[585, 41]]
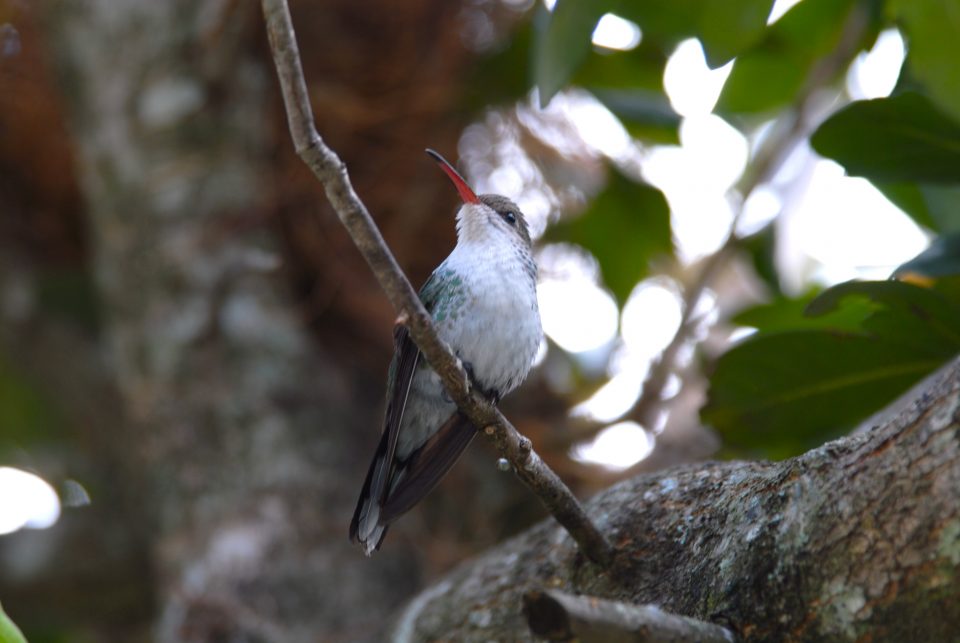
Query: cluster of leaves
[[817, 365], [815, 369]]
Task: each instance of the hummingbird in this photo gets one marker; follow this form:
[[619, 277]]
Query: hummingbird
[[483, 302]]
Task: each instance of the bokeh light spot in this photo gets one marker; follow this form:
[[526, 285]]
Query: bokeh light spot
[[617, 447], [26, 500]]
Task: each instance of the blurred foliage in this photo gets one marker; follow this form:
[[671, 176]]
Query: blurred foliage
[[772, 74], [27, 417], [819, 362], [933, 27], [563, 43], [626, 226], [9, 632]]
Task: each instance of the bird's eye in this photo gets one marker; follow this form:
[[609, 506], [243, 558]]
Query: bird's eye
[[509, 217]]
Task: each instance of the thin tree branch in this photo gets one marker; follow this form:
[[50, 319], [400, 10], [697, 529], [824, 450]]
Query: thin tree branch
[[559, 616], [332, 173]]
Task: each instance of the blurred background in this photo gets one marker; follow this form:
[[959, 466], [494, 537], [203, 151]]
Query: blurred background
[[193, 355]]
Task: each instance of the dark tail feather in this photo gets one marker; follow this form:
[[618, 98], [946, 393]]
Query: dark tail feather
[[426, 466], [393, 488], [366, 527]]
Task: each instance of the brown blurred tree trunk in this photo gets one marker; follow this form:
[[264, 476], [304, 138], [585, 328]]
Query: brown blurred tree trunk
[[241, 422]]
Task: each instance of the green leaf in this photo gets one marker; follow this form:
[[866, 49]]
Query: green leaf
[[728, 27], [562, 45], [785, 392], [9, 632], [857, 346], [772, 73], [888, 293], [914, 315], [625, 227], [932, 28], [901, 138], [787, 314], [941, 259]]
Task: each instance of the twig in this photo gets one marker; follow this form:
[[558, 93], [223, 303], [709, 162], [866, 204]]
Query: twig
[[558, 616], [332, 173]]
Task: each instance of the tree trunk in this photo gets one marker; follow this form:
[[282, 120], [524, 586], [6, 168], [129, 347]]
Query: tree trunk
[[241, 423], [856, 540]]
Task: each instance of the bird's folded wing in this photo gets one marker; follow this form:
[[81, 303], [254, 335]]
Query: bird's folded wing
[[427, 465]]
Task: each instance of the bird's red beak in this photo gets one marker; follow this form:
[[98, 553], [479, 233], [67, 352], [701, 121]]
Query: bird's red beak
[[466, 193]]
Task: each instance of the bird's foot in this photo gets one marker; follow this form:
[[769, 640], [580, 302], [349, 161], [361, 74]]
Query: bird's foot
[[491, 394], [471, 382], [468, 367]]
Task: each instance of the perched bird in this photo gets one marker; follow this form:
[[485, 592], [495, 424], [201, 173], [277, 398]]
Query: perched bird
[[483, 302]]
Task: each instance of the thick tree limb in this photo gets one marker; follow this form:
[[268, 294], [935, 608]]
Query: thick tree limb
[[332, 173], [858, 539], [558, 616]]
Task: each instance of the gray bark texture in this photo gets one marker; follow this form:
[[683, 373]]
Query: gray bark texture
[[241, 423], [857, 540]]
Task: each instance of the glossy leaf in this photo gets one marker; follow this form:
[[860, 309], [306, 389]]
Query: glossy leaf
[[932, 28], [625, 227], [855, 348], [913, 315], [788, 314], [901, 138], [787, 391]]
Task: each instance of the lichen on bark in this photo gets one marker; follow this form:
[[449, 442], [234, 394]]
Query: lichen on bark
[[857, 538]]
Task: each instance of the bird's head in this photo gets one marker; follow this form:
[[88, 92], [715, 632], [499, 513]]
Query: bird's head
[[485, 218]]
